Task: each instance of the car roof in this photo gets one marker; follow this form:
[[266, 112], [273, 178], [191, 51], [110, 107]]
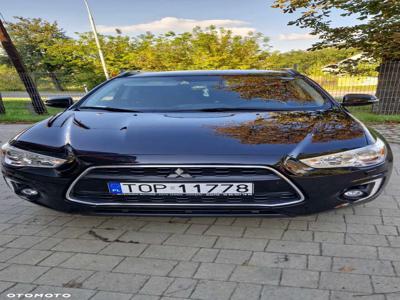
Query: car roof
[[285, 72]]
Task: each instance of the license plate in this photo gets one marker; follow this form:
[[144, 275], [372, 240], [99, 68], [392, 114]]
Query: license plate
[[157, 188]]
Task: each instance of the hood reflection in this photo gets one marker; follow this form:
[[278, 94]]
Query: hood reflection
[[293, 127]]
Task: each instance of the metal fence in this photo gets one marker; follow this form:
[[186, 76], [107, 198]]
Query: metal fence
[[48, 84], [59, 84], [388, 88], [338, 86], [385, 85]]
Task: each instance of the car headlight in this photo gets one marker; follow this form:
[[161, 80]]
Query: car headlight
[[361, 157], [21, 158]]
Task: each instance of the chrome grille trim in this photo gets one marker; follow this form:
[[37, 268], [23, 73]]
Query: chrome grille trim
[[122, 204]]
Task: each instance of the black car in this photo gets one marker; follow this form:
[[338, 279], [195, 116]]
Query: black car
[[200, 143]]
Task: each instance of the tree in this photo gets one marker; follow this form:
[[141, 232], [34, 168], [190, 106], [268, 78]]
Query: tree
[[209, 48], [16, 60], [79, 58], [308, 62], [48, 50], [376, 33], [32, 38]]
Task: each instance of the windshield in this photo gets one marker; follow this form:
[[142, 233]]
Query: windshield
[[185, 93]]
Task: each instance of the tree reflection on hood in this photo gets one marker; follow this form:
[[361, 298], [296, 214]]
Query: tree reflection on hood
[[292, 127]]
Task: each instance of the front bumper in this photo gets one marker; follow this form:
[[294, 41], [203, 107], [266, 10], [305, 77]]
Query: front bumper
[[319, 192]]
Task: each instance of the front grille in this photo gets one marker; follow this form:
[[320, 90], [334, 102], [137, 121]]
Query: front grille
[[163, 172], [270, 188]]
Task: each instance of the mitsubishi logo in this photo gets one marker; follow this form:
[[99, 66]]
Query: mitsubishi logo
[[179, 173]]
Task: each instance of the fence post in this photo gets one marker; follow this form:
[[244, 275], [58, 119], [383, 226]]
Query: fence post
[[2, 108]]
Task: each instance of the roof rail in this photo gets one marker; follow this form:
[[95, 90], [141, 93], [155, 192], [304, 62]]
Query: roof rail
[[127, 73], [291, 71]]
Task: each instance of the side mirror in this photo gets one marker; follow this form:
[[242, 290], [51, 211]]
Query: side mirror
[[359, 99], [60, 102]]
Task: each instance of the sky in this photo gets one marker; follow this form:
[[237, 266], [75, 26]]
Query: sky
[[134, 17]]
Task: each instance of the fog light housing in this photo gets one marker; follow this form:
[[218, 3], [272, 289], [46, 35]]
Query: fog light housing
[[362, 192], [29, 192], [353, 194]]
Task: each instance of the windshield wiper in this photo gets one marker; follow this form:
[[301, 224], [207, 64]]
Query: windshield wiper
[[228, 109], [107, 108]]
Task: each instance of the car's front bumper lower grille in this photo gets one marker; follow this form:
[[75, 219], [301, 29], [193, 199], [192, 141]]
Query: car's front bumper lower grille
[[271, 188]]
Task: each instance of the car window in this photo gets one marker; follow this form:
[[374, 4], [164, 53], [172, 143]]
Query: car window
[[175, 93]]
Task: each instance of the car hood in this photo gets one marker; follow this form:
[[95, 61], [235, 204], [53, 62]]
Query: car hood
[[239, 133]]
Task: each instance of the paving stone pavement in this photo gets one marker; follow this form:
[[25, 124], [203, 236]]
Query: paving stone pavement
[[351, 253], [391, 131]]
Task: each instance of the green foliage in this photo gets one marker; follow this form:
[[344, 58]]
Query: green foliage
[[377, 32], [79, 58], [210, 48], [308, 62], [45, 48], [200, 49], [33, 37], [9, 79], [358, 68]]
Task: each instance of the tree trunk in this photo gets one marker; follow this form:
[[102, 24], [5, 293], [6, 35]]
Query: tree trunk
[[388, 89], [2, 108], [16, 59], [56, 82]]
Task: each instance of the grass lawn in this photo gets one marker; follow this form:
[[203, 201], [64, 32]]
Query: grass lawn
[[364, 114], [20, 111]]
